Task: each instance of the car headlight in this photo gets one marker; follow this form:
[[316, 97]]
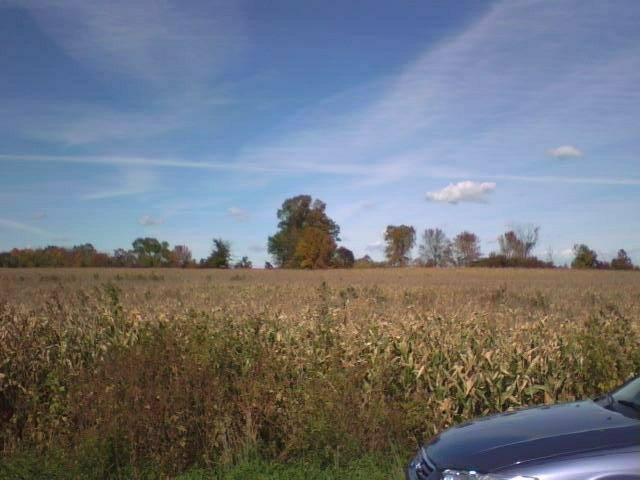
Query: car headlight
[[459, 475]]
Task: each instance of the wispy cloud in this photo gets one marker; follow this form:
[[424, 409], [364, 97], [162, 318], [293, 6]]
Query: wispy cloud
[[632, 182], [119, 192], [466, 191], [39, 216], [13, 225], [131, 182], [161, 42], [367, 175], [127, 161], [169, 50], [350, 209], [190, 206], [149, 221], [396, 167], [238, 214], [476, 95], [485, 102], [81, 124], [565, 151], [377, 246]]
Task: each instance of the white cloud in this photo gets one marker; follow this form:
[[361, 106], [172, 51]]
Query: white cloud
[[148, 221], [238, 214], [565, 151], [466, 191], [39, 216]]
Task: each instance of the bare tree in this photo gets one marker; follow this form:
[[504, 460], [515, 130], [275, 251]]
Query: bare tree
[[466, 248], [181, 256], [549, 258], [528, 236], [519, 242], [509, 244], [435, 249]]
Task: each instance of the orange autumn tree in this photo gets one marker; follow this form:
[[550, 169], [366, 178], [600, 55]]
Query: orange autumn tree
[[315, 248], [306, 236]]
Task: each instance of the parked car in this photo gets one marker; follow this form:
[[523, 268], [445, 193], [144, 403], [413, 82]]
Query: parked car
[[588, 440]]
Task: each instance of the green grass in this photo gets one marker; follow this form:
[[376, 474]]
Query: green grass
[[364, 469], [368, 468]]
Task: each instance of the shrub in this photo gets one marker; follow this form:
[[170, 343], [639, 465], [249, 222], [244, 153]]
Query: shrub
[[502, 261]]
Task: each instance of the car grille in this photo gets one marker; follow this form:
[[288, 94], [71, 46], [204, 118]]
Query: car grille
[[424, 469], [423, 472], [421, 468]]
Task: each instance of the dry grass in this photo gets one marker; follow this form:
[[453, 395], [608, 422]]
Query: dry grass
[[182, 368]]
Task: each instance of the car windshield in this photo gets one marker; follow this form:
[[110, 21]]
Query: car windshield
[[629, 395]]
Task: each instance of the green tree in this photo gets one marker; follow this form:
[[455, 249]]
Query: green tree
[[365, 262], [150, 252], [400, 240], [8, 261], [124, 258], [343, 258], [244, 262], [299, 217], [220, 256], [584, 257], [622, 261]]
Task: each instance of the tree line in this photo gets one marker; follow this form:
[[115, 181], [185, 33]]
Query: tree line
[[308, 239], [145, 252]]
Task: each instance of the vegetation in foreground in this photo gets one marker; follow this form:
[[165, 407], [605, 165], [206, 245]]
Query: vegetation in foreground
[[161, 373], [38, 467]]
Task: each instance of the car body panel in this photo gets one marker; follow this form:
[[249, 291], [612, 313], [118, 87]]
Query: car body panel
[[612, 464], [498, 442]]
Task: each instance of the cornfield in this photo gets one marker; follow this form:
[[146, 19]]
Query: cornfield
[[116, 370]]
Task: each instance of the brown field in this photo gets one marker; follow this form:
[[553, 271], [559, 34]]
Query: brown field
[[186, 367]]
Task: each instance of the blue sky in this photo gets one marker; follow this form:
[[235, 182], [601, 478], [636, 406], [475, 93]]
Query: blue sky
[[193, 120]]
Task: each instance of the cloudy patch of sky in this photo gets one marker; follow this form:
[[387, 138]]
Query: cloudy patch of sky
[[202, 117]]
